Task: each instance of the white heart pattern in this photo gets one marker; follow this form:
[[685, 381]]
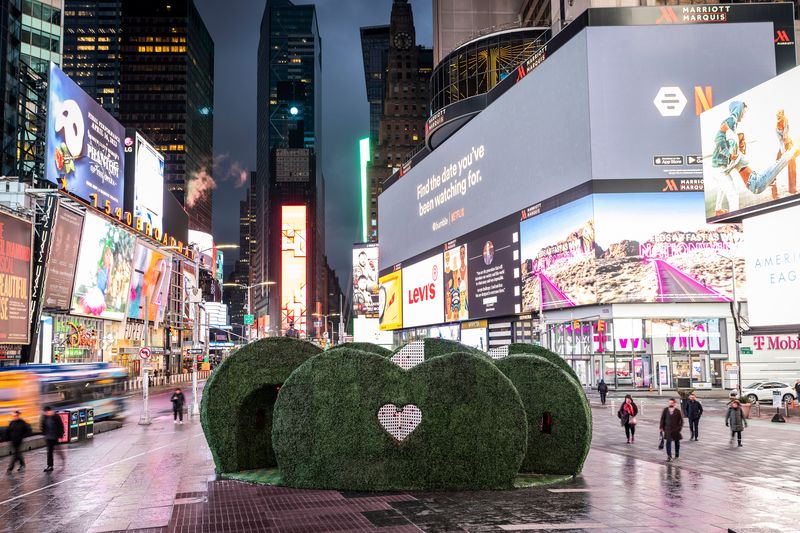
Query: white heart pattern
[[410, 355], [399, 423]]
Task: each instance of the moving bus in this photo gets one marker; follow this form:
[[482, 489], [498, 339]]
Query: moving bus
[[30, 387]]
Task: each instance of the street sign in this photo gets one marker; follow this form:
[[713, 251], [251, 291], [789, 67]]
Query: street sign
[[777, 398], [144, 352], [746, 350], [248, 320], [194, 351]]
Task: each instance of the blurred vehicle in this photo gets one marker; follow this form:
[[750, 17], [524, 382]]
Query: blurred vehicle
[[761, 391], [30, 387]]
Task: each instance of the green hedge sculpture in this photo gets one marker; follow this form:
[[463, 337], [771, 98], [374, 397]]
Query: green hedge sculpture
[[326, 432], [558, 413], [364, 347], [520, 348], [236, 407]]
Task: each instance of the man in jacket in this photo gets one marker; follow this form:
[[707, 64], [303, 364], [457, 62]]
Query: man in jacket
[[602, 388], [694, 410], [16, 432], [178, 400], [735, 420], [670, 426], [52, 431]]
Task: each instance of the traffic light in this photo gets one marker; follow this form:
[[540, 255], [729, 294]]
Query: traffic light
[[601, 326]]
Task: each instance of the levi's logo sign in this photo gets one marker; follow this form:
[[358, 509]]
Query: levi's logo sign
[[422, 294]]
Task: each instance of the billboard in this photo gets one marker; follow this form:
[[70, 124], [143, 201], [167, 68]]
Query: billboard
[[365, 280], [423, 301], [773, 268], [63, 259], [204, 243], [558, 257], [151, 276], [293, 268], [16, 237], [390, 301], [148, 184], [456, 279], [749, 154], [85, 151], [191, 291], [103, 272], [626, 128]]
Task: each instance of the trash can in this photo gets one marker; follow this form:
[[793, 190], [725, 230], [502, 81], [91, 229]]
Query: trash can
[[81, 423], [89, 422], [64, 420], [72, 427]]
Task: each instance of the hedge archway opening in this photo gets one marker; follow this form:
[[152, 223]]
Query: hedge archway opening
[[255, 428]]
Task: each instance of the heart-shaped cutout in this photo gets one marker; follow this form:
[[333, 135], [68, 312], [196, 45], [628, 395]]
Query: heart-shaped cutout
[[399, 423], [410, 355]]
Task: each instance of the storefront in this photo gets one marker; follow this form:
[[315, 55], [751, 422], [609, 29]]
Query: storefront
[[71, 339], [770, 358]]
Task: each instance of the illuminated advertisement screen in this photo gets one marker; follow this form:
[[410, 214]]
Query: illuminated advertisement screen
[[191, 293], [423, 298], [151, 275], [204, 243], [390, 301], [148, 201], [84, 144], [646, 87], [15, 279], [749, 154], [63, 259], [103, 274], [773, 268], [365, 280], [293, 268], [557, 251]]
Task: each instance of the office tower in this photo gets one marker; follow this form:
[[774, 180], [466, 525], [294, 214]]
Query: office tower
[[375, 50]]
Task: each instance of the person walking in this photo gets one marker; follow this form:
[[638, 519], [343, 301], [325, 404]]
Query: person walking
[[178, 399], [627, 415], [670, 426], [694, 410], [797, 390], [52, 430], [735, 420], [602, 388], [16, 432]]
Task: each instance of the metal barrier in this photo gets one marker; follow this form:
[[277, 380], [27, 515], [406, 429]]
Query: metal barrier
[[135, 383]]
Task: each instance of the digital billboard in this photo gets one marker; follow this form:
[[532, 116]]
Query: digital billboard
[[204, 243], [293, 268], [423, 301], [103, 273], [365, 280], [390, 301], [558, 256], [85, 149], [63, 259], [614, 120], [16, 237], [152, 271], [148, 196], [749, 154], [456, 279], [773, 268], [191, 291]]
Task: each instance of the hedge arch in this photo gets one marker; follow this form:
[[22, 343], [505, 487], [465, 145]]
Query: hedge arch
[[237, 404], [364, 347], [520, 348], [326, 432], [558, 413]]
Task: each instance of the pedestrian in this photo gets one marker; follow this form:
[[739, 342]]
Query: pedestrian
[[16, 432], [797, 390], [670, 426], [602, 388], [736, 421], [627, 415], [52, 430], [694, 410], [177, 406]]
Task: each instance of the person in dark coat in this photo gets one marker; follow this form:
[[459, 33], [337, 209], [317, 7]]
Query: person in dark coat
[[16, 432], [797, 390], [627, 415], [52, 430], [694, 410], [602, 388], [735, 420], [178, 400], [670, 426]]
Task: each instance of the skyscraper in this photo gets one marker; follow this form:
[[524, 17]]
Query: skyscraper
[[40, 36], [290, 188], [375, 49], [167, 92], [401, 123], [10, 21], [237, 296]]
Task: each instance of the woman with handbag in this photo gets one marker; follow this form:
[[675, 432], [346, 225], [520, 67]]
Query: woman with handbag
[[627, 416]]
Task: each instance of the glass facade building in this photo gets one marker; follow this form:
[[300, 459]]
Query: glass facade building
[[40, 37], [375, 49], [10, 26]]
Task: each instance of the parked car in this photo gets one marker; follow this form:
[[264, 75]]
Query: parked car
[[761, 391]]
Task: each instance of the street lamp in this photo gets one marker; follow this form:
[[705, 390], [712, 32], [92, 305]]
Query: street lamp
[[248, 287], [322, 315]]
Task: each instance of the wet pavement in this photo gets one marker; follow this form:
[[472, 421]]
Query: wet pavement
[[160, 478]]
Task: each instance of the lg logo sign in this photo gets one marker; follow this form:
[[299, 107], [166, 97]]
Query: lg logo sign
[[671, 101]]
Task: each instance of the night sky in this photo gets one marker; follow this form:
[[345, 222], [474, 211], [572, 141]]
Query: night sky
[[234, 26]]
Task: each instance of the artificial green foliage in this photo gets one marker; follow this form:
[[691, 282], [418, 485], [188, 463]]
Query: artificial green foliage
[[236, 408], [364, 347], [326, 432], [546, 388], [520, 348]]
